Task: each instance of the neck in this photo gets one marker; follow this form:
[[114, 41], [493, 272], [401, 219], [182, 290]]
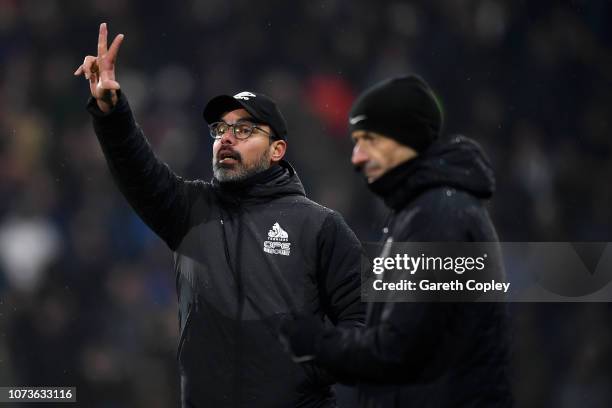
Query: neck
[[391, 186]]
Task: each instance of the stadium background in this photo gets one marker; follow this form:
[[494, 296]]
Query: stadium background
[[87, 292]]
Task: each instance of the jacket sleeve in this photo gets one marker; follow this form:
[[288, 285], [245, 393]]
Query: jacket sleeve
[[404, 344], [340, 261], [394, 351], [163, 200]]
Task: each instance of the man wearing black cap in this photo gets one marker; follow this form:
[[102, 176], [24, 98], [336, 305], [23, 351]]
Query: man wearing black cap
[[249, 247], [417, 354]]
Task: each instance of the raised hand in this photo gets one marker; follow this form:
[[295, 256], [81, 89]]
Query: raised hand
[[100, 71]]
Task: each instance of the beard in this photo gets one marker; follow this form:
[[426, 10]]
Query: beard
[[240, 171]]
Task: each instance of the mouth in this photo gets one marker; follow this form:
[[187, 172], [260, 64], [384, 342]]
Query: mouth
[[371, 171], [228, 156]]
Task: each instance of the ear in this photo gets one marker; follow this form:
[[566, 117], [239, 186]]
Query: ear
[[277, 150]]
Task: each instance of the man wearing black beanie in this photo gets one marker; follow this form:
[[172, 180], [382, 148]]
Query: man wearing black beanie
[[418, 354]]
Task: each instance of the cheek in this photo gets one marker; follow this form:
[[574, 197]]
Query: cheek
[[252, 151], [386, 161], [395, 158], [378, 158], [386, 157], [216, 147]]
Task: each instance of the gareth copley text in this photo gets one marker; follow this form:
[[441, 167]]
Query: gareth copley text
[[426, 285]]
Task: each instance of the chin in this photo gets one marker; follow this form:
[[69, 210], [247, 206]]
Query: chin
[[227, 176], [372, 178]]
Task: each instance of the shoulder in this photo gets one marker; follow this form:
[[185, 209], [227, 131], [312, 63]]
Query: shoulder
[[446, 198], [199, 184], [199, 189], [446, 204], [309, 208], [446, 213], [326, 220]]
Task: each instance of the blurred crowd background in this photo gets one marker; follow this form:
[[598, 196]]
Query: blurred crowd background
[[87, 291]]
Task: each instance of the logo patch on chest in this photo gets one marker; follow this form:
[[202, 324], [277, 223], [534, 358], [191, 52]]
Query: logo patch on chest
[[278, 241]]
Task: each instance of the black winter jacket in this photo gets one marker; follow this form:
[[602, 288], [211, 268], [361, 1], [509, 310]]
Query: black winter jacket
[[430, 354], [246, 255]]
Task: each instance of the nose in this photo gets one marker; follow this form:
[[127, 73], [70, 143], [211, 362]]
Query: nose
[[359, 156], [228, 138]]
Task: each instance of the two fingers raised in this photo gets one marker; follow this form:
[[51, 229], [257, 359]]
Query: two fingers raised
[[105, 56], [110, 53]]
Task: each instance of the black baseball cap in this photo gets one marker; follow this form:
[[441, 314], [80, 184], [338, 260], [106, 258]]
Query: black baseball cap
[[404, 108], [261, 107]]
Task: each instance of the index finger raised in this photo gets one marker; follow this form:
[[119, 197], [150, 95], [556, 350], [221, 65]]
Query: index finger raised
[[102, 40]]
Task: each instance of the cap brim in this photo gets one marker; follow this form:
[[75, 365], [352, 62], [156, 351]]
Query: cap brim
[[217, 106]]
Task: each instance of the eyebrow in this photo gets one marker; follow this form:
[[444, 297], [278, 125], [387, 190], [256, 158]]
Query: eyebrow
[[366, 133]]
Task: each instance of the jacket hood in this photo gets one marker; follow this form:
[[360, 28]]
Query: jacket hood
[[458, 162], [279, 180]]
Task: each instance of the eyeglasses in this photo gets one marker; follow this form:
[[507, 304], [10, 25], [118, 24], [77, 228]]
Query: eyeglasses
[[240, 130]]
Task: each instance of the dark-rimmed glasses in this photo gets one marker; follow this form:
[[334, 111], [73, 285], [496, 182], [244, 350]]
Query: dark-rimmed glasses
[[241, 129]]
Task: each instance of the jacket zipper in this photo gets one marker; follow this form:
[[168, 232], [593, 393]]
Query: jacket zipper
[[239, 358]]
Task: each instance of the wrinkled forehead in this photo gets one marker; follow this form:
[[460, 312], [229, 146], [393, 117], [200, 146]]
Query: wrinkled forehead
[[357, 134], [362, 134]]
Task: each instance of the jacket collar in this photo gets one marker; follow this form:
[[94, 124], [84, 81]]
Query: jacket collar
[[457, 162], [276, 181]]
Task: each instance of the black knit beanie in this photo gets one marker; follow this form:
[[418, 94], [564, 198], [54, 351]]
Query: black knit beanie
[[404, 108]]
